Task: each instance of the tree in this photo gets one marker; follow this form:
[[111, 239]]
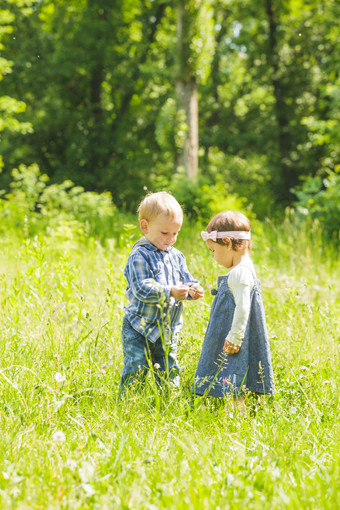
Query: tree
[[112, 91], [194, 54], [10, 107], [84, 71]]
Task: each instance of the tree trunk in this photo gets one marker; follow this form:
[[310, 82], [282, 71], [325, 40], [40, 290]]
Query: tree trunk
[[287, 173], [187, 100]]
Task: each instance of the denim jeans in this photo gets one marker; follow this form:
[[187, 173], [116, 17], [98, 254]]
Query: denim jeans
[[140, 355]]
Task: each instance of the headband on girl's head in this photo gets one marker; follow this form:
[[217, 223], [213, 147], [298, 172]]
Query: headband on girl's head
[[236, 234]]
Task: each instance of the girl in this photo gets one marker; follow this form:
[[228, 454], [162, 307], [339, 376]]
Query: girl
[[235, 355]]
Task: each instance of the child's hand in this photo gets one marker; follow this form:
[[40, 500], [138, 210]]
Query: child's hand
[[179, 292], [196, 291], [230, 348]]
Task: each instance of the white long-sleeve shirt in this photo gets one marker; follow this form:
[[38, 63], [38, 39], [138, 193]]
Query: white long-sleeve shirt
[[241, 283]]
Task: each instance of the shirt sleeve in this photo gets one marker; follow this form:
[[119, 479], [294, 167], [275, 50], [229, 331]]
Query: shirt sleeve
[[241, 283], [141, 282]]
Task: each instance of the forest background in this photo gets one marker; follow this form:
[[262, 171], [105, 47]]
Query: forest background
[[106, 95]]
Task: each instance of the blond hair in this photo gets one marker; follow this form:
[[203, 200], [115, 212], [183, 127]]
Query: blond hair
[[155, 204], [227, 221]]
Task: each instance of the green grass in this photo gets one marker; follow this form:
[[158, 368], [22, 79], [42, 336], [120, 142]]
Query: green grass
[[67, 443]]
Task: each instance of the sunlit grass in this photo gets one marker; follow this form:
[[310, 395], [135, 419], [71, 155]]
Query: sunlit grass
[[66, 442]]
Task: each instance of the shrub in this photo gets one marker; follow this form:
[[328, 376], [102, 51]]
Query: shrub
[[33, 206], [200, 198], [319, 198]]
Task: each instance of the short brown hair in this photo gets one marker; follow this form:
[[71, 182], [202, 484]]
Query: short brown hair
[[231, 220], [155, 204]]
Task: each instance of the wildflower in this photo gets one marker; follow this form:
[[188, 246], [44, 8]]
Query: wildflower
[[86, 472], [89, 490], [103, 365], [157, 366], [58, 436], [59, 377], [88, 370], [225, 380], [71, 464], [15, 492], [102, 371], [56, 356]]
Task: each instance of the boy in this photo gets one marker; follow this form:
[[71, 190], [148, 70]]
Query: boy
[[158, 281]]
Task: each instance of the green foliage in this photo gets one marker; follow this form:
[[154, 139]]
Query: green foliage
[[171, 128], [196, 39], [200, 198], [247, 177], [319, 198], [98, 83], [34, 206], [10, 107]]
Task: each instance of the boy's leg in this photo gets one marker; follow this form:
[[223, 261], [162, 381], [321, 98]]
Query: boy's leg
[[165, 355], [135, 356]]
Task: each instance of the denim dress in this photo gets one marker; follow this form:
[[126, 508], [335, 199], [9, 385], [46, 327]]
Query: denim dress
[[219, 374]]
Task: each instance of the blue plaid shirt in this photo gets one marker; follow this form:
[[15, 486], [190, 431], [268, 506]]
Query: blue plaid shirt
[[150, 274]]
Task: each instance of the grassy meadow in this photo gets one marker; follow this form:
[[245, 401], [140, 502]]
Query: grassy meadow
[[67, 443]]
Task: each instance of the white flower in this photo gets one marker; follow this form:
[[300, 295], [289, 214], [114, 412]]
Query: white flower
[[59, 377], [58, 436], [157, 366], [86, 472], [71, 464], [89, 490]]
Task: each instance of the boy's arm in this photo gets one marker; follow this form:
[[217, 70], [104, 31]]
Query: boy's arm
[[195, 291], [141, 282]]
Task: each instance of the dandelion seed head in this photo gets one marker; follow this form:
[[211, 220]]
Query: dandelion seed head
[[58, 436], [59, 377], [86, 472], [71, 464], [88, 489]]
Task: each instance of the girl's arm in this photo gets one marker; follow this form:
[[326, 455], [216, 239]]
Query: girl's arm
[[241, 283]]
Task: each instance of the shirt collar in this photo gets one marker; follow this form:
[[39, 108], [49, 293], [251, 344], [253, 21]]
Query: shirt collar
[[144, 242]]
